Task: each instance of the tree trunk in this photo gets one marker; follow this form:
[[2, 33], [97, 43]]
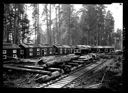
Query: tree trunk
[[50, 41], [56, 39], [38, 32], [27, 69], [59, 37]]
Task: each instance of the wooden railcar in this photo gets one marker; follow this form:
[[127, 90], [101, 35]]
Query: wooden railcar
[[66, 49], [62, 49], [37, 51], [102, 49], [11, 51], [84, 49]]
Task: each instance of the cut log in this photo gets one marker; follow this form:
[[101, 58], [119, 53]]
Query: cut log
[[33, 67], [46, 78], [26, 66], [78, 61], [43, 79], [55, 74], [54, 69], [26, 69], [74, 64], [51, 60]]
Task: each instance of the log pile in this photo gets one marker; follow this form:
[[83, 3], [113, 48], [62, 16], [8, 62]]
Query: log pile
[[46, 78], [50, 61], [27, 69]]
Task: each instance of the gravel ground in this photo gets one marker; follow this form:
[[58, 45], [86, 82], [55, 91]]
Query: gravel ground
[[105, 78]]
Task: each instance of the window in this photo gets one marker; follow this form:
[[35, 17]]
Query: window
[[60, 50], [45, 52], [50, 50], [111, 50], [14, 51], [38, 53], [98, 50], [65, 50], [4, 57], [30, 49], [106, 50], [75, 50], [4, 51], [71, 50], [78, 50], [38, 49], [14, 56], [21, 51], [31, 54]]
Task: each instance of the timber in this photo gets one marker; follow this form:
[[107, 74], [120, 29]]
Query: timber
[[78, 61], [26, 69], [54, 69], [75, 64]]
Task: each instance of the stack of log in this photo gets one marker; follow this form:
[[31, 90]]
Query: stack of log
[[46, 78], [50, 61], [86, 57]]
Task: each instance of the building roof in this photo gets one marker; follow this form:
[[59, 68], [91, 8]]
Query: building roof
[[83, 46], [9, 46], [103, 47]]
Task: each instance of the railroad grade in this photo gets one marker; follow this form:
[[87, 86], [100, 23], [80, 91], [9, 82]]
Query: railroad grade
[[42, 71], [76, 70], [71, 78], [93, 80]]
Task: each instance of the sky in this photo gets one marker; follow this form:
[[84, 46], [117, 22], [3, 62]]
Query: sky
[[115, 8], [117, 12]]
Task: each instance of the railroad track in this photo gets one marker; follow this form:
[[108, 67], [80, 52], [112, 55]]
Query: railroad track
[[62, 80], [64, 76], [69, 79], [41, 71]]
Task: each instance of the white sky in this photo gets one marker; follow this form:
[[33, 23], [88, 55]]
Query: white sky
[[115, 8], [117, 12]]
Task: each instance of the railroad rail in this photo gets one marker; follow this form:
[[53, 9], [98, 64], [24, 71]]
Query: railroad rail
[[63, 79], [64, 82]]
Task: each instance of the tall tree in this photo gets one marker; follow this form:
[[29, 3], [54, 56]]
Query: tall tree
[[109, 28], [36, 22], [13, 16], [88, 23], [67, 12], [100, 9]]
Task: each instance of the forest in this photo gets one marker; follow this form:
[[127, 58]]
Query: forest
[[91, 25]]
